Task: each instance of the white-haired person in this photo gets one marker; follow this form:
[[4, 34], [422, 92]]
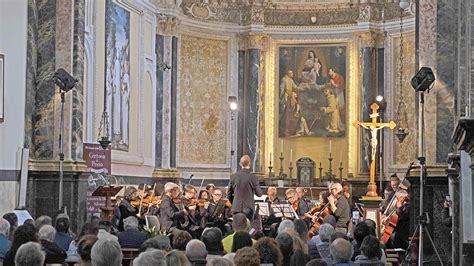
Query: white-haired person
[[152, 257], [131, 237], [54, 254], [30, 254], [106, 252], [341, 252], [170, 214], [340, 207], [5, 243]]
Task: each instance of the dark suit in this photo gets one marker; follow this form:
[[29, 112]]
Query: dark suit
[[131, 238], [169, 213], [242, 187], [54, 254]]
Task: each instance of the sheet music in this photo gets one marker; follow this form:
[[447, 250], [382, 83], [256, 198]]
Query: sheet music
[[262, 198]]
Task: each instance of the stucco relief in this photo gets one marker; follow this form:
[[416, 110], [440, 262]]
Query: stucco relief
[[202, 102]]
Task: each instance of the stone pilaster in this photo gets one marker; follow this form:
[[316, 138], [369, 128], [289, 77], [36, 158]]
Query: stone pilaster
[[453, 170]]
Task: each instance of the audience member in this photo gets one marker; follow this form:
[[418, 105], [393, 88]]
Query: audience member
[[5, 243], [150, 257], [212, 238], [106, 252], [30, 254], [181, 239], [371, 252], [13, 220], [239, 223], [284, 225], [302, 229], [84, 247], [241, 239], [22, 235], [373, 226], [105, 229], [285, 243], [196, 252], [131, 237], [87, 229], [361, 230], [321, 250], [341, 252], [43, 220], [160, 242], [63, 239], [247, 257], [337, 235], [230, 257], [219, 262], [298, 258], [177, 258], [54, 254], [269, 251], [316, 262]]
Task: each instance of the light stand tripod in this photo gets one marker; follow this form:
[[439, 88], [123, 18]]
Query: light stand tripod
[[423, 218]]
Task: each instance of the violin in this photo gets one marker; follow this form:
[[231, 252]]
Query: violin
[[146, 201], [295, 205], [197, 202]]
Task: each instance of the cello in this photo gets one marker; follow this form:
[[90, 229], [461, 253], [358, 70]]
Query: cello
[[392, 220], [324, 211]]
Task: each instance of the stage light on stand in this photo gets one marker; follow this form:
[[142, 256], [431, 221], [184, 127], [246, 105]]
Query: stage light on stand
[[233, 103], [404, 4]]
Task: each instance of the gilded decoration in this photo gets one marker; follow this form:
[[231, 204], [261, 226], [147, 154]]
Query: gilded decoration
[[406, 151], [202, 102], [167, 25]]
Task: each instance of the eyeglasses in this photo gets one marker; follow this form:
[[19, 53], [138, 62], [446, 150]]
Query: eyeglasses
[[217, 195]]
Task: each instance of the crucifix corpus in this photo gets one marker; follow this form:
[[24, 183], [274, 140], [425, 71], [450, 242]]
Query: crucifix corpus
[[373, 126]]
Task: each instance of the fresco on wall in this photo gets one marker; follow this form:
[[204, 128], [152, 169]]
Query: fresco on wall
[[312, 91], [117, 73]]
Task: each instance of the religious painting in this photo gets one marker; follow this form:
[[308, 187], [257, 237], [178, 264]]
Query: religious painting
[[117, 73], [312, 91]]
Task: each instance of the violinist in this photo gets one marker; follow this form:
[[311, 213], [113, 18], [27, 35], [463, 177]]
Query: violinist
[[125, 208], [272, 196], [202, 208], [400, 234], [219, 211], [170, 214], [323, 201], [293, 200], [303, 203], [339, 207]]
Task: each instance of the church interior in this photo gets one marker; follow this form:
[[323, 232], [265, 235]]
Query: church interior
[[105, 99]]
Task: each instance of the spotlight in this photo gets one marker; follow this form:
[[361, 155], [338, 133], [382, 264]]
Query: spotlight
[[423, 79], [380, 101], [404, 4], [233, 103], [64, 80]]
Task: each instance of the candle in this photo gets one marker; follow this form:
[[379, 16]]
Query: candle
[[281, 146], [270, 159], [340, 164], [340, 156], [291, 155], [330, 146]]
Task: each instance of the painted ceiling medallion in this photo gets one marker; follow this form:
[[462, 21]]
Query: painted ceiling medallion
[[202, 11]]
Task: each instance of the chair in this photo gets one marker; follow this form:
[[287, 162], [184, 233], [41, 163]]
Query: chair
[[129, 254], [152, 220]]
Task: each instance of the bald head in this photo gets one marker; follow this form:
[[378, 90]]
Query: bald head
[[245, 161]]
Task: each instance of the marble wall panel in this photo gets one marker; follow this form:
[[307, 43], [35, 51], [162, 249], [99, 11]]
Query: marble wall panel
[[78, 72], [159, 49], [31, 68], [202, 101], [251, 111]]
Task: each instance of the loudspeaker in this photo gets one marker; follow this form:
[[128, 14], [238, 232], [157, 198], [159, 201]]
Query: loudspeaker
[[423, 79], [64, 80]]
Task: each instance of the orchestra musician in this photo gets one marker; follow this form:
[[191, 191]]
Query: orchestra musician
[[303, 203], [340, 207], [323, 201], [400, 234], [125, 208], [242, 188], [219, 211], [170, 214], [202, 209], [388, 194], [272, 196], [294, 201]]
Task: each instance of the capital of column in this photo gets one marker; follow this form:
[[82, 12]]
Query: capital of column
[[371, 39], [167, 25], [254, 41], [463, 135]]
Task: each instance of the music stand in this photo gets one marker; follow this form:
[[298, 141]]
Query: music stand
[[107, 213], [284, 210], [263, 208]]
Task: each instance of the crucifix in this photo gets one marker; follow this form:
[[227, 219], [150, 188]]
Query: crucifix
[[373, 126]]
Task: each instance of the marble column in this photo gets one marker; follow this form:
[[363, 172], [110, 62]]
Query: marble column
[[251, 111], [159, 51], [455, 194], [240, 98]]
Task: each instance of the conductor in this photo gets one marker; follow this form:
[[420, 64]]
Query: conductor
[[242, 187]]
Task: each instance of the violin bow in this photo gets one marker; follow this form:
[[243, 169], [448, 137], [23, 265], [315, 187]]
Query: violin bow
[[152, 195], [398, 189]]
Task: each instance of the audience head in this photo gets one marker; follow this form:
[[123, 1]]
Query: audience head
[[284, 225], [337, 235], [88, 229], [23, 234], [212, 238], [371, 247], [106, 252], [316, 262], [62, 223], [230, 257], [219, 262], [372, 225], [12, 219], [245, 161], [361, 230], [330, 219], [269, 251], [151, 257], [43, 220], [176, 257], [160, 242], [285, 243], [301, 228], [105, 225], [181, 239], [241, 239], [4, 227], [341, 250], [240, 222], [325, 232], [84, 247], [47, 232], [130, 222], [247, 257], [298, 258], [30, 254], [196, 249]]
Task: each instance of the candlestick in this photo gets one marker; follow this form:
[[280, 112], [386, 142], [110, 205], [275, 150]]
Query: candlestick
[[330, 166], [281, 165], [340, 171], [291, 171], [320, 172]]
